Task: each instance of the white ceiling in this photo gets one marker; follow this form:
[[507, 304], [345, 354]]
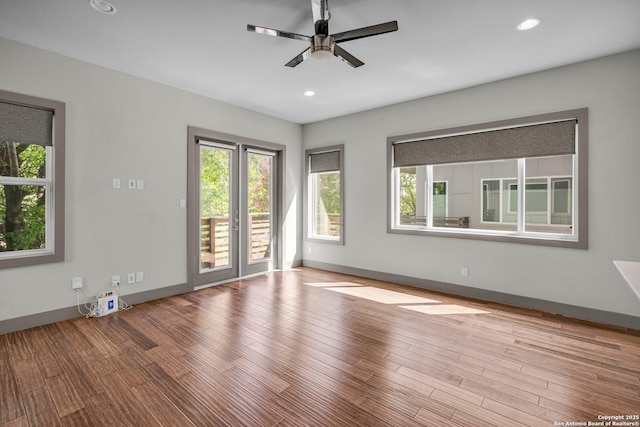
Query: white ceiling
[[203, 46]]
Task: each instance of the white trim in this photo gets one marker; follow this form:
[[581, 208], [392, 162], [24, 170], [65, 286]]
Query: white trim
[[313, 183], [504, 206], [428, 210], [12, 180], [49, 217], [520, 214]]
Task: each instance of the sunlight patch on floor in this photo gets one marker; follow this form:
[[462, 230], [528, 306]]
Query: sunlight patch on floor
[[440, 309], [332, 284], [383, 296]]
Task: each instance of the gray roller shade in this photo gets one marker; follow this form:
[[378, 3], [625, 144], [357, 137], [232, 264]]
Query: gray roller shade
[[25, 125], [328, 161], [547, 139]]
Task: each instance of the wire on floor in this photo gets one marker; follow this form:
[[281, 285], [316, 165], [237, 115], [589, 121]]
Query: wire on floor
[[91, 306]]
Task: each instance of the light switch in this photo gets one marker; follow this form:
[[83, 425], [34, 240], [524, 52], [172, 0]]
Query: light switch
[[116, 183], [132, 184], [140, 184]]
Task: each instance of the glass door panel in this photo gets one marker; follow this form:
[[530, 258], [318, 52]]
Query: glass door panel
[[218, 212], [259, 199], [260, 214]]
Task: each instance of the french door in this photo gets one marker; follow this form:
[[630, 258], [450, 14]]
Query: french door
[[234, 202]]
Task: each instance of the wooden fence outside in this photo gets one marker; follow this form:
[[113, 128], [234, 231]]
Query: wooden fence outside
[[328, 224], [214, 250]]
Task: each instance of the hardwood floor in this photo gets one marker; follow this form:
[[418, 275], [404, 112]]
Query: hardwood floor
[[308, 347]]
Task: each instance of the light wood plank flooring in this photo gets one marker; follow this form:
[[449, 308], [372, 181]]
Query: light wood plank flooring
[[308, 347]]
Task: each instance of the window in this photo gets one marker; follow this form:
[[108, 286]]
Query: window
[[31, 180], [412, 201], [520, 180], [325, 188], [547, 201]]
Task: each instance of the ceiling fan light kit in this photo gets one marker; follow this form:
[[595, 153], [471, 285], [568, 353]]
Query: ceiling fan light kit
[[321, 48], [322, 45]]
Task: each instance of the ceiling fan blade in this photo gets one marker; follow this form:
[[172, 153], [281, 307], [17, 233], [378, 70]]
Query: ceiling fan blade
[[359, 33], [278, 33], [346, 56], [298, 59]]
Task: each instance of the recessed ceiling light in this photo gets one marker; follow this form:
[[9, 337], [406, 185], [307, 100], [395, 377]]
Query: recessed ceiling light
[[528, 24], [103, 6], [308, 93]]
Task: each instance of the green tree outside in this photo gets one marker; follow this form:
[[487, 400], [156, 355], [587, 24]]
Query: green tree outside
[[407, 196], [259, 182], [408, 192], [329, 192], [214, 182], [22, 207]]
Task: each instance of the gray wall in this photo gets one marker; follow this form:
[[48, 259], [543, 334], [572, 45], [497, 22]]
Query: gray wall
[[119, 126], [609, 87]]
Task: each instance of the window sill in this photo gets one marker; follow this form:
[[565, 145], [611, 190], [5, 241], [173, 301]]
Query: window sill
[[541, 239], [329, 240]]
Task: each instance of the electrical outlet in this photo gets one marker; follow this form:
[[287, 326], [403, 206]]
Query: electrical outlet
[[131, 278], [115, 281], [76, 283], [464, 271], [139, 276]]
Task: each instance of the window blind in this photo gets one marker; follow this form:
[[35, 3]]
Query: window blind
[[546, 139], [25, 125], [329, 161]]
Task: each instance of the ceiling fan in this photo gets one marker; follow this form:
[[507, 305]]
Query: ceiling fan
[[324, 46]]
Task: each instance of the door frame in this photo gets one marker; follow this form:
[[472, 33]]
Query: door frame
[[193, 208]]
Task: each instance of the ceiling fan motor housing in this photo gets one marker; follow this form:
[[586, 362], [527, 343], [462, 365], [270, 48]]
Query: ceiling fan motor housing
[[322, 47]]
